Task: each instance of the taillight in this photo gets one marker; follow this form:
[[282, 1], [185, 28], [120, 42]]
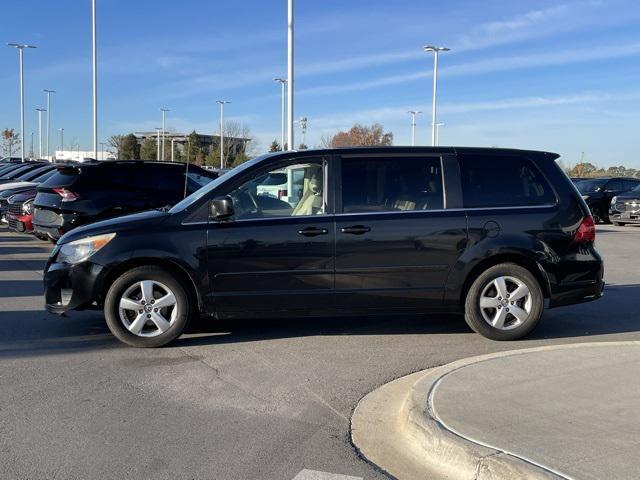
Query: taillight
[[586, 232], [282, 193], [67, 195]]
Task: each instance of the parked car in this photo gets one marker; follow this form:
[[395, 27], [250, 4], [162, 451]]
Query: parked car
[[88, 192], [22, 187], [19, 212], [598, 193], [11, 160], [625, 207], [493, 233]]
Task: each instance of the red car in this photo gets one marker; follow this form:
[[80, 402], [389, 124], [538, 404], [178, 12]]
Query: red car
[[20, 211]]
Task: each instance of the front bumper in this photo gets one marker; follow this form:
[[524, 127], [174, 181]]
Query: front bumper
[[626, 217], [71, 287], [20, 223]]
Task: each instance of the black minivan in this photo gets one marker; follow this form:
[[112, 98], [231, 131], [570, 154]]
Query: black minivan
[[493, 233]]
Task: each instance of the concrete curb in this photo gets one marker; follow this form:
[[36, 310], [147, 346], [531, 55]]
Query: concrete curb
[[397, 428]]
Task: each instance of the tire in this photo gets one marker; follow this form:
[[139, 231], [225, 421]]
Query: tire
[[619, 224], [596, 213], [139, 323], [514, 326]]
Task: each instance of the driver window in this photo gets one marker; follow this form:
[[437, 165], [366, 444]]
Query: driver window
[[288, 191]]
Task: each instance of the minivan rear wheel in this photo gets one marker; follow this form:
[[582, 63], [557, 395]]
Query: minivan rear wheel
[[147, 307], [504, 303]]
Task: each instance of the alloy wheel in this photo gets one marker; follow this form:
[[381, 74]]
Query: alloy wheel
[[148, 308], [505, 303]]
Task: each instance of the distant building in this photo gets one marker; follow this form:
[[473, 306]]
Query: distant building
[[80, 155], [207, 143]]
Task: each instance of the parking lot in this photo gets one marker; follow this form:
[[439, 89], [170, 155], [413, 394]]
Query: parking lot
[[243, 399]]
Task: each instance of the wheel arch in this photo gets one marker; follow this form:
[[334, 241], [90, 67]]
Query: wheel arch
[[173, 267], [521, 260]]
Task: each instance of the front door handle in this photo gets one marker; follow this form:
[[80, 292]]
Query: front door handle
[[313, 232], [356, 230]]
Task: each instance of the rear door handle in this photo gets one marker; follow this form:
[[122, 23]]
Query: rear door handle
[[313, 232], [356, 230]]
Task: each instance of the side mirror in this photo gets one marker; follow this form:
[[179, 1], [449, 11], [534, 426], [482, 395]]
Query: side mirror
[[221, 208]]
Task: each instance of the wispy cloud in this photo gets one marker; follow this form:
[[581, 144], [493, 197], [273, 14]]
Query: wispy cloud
[[534, 60]]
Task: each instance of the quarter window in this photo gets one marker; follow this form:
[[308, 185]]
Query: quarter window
[[391, 184], [290, 191], [502, 181]]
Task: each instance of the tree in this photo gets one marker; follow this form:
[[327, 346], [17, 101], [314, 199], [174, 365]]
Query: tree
[[362, 136], [126, 146], [303, 146], [9, 139], [583, 169], [237, 137], [275, 146], [149, 149]]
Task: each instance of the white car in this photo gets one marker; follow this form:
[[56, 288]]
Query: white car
[[286, 185]]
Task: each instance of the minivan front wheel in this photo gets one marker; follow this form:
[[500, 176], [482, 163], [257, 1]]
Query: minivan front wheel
[[504, 303], [147, 307]]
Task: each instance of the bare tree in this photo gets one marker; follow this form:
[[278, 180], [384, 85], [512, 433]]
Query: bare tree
[[9, 139]]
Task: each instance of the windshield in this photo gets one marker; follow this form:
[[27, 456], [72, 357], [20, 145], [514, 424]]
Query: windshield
[[200, 180], [590, 186], [197, 195]]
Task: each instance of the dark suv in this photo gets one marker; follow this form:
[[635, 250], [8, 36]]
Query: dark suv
[[598, 193], [88, 192], [492, 233]]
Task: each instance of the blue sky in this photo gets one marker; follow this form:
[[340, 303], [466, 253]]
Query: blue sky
[[559, 76]]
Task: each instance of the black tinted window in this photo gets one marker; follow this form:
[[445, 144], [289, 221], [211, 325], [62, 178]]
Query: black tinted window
[[391, 184], [502, 181]]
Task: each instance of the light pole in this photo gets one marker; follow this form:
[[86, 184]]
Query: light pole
[[62, 139], [222, 104], [158, 130], [413, 125], [21, 48], [436, 51], [95, 77], [164, 113], [290, 72], [173, 139], [303, 129], [31, 149], [40, 110], [102, 144], [48, 92], [283, 108], [438, 125]]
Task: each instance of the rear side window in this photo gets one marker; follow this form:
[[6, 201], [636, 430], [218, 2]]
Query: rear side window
[[391, 184], [62, 178], [502, 181]]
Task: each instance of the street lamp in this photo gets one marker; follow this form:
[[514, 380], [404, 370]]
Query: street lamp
[[413, 125], [40, 110], [222, 103], [438, 125], [95, 77], [158, 130], [290, 71], [436, 51], [48, 92], [283, 84], [164, 112], [303, 129], [62, 139], [102, 144], [21, 48]]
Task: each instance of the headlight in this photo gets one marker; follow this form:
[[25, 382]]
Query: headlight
[[27, 207], [80, 250]]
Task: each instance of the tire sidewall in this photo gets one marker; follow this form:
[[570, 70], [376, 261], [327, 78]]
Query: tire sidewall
[[473, 314], [126, 280]]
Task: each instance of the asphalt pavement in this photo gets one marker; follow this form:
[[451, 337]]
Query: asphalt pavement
[[233, 400]]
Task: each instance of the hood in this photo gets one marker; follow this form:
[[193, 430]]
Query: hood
[[628, 195], [9, 186], [13, 191], [136, 221], [23, 196]]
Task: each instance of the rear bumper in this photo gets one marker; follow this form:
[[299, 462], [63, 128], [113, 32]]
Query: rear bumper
[[56, 226], [571, 294], [582, 280], [70, 287]]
